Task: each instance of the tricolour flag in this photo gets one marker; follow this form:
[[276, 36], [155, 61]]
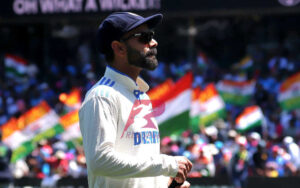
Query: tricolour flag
[[15, 66], [289, 95], [70, 122], [177, 102], [212, 106], [10, 129], [195, 109], [40, 122], [160, 90], [72, 100], [244, 64], [251, 117], [236, 92]]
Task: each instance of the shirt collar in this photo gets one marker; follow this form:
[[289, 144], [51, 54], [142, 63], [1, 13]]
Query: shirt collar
[[125, 80]]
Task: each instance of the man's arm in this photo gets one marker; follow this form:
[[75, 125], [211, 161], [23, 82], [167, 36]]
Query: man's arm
[[98, 124]]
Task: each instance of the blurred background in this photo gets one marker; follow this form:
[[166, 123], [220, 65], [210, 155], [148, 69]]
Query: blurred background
[[238, 60]]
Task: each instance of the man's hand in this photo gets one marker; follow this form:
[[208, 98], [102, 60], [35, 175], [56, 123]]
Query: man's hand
[[184, 167], [174, 184], [185, 184]]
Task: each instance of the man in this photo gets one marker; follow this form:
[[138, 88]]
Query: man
[[239, 163], [120, 134]]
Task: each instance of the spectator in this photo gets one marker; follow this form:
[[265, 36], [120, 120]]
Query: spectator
[[239, 163], [294, 151], [259, 159]]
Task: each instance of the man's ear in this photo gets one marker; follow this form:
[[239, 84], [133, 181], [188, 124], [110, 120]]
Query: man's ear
[[118, 48]]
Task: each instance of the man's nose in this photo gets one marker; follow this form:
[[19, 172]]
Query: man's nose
[[153, 43]]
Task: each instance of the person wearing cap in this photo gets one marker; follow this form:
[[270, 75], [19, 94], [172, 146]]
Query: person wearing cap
[[120, 134], [239, 163]]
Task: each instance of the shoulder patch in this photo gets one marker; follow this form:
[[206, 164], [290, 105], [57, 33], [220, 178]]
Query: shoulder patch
[[107, 82], [102, 80], [112, 84]]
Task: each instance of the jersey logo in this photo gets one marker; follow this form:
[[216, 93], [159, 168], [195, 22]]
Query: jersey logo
[[107, 82], [142, 110]]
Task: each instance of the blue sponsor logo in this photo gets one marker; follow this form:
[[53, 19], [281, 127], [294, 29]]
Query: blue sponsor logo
[[146, 137]]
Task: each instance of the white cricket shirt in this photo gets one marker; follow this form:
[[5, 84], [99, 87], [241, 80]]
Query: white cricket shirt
[[121, 137]]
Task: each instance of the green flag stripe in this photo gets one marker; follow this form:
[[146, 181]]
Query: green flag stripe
[[235, 99], [194, 123], [27, 147], [22, 151], [291, 104], [207, 120], [57, 129], [256, 124], [12, 71], [175, 125]]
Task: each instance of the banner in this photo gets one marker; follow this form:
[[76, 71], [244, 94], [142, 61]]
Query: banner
[[38, 8], [51, 7]]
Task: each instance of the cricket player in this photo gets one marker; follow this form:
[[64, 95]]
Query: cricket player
[[120, 135]]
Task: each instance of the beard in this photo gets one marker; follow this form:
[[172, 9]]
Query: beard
[[143, 60]]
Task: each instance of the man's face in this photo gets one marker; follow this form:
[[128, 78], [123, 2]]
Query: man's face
[[141, 53]]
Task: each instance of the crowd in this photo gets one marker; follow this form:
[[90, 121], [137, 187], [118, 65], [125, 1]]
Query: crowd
[[217, 150]]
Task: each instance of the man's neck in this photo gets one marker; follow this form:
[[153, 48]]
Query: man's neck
[[131, 71]]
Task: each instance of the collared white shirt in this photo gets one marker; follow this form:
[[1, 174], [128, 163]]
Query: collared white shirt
[[121, 137]]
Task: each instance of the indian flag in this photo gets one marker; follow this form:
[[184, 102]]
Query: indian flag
[[40, 122], [251, 117], [236, 92], [212, 106], [72, 99], [15, 66], [160, 90], [244, 64], [195, 109], [70, 123], [11, 132], [177, 103], [289, 95]]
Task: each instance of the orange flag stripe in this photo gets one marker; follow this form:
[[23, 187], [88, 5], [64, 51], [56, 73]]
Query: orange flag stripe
[[24, 120], [69, 119], [73, 98], [160, 90], [209, 92], [9, 128], [289, 82], [196, 93], [33, 114], [247, 111], [16, 59]]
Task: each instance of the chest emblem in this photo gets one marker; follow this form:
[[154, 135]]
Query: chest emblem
[[142, 114]]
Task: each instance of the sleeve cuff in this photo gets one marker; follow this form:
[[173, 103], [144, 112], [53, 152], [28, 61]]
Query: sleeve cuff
[[171, 165]]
